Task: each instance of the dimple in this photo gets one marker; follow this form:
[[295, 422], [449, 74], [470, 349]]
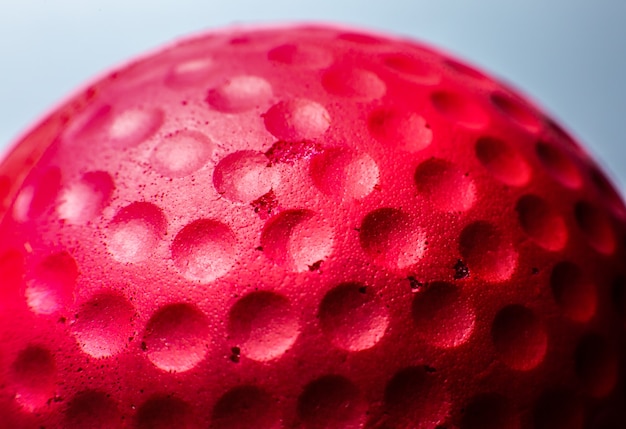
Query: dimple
[[573, 291], [300, 55], [181, 153], [164, 412], [541, 222], [459, 109], [332, 401], [246, 407], [263, 325], [401, 129], [190, 72], [516, 110], [120, 128], [412, 68], [353, 82], [503, 161], [558, 164], [488, 253], [442, 183], [391, 238], [176, 337], [239, 94], [50, 286], [297, 239], [93, 409], [104, 324], [416, 397], [297, 119], [132, 126], [519, 337], [352, 316], [83, 201], [244, 176], [33, 375], [442, 316], [596, 227], [204, 250], [135, 231], [34, 200], [341, 172]]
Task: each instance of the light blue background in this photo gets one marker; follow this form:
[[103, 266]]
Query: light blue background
[[568, 55]]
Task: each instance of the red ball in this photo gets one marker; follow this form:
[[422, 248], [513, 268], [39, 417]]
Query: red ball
[[313, 228]]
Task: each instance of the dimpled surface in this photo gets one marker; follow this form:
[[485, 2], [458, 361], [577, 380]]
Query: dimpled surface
[[308, 227]]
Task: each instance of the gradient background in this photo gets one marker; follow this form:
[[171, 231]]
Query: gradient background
[[567, 55]]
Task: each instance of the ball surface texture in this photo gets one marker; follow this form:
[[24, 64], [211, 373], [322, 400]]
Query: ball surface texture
[[308, 227]]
